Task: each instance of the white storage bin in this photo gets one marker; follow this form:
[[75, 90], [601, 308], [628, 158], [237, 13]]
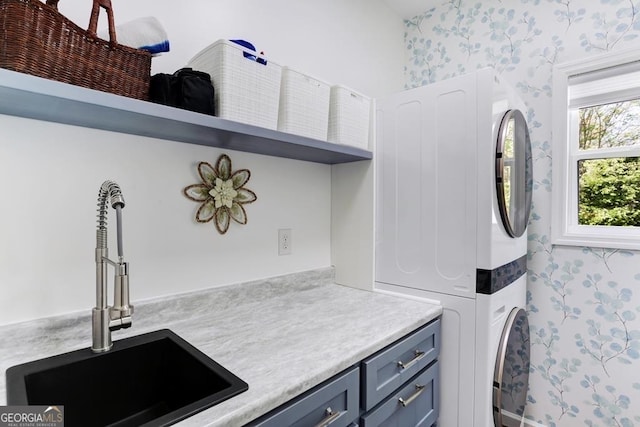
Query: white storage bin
[[349, 114], [246, 90], [304, 105]]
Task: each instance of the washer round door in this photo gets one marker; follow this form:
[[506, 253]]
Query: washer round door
[[514, 172], [511, 376]]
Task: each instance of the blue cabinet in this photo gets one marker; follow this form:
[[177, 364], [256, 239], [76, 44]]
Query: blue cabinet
[[390, 368], [395, 387], [334, 402], [400, 384], [415, 404]]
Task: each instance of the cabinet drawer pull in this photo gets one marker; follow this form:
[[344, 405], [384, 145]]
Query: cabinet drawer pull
[[329, 418], [414, 396], [417, 356]]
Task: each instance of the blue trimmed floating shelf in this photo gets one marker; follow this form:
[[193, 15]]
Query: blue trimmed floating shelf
[[32, 97]]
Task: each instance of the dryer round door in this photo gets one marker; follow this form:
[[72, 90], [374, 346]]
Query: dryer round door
[[511, 376], [514, 172]]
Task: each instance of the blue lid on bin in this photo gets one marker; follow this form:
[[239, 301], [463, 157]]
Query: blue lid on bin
[[251, 47]]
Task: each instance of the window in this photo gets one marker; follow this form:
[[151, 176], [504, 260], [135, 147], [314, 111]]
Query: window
[[596, 152]]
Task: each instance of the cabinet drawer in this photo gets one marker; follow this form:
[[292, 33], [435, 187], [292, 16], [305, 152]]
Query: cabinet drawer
[[333, 404], [389, 369], [414, 405]]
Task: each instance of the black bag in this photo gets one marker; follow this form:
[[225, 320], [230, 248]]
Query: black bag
[[186, 88]]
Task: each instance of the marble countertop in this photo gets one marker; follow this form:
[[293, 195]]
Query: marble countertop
[[282, 336]]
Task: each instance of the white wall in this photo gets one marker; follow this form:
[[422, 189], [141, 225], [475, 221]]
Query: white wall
[[50, 173], [358, 43]]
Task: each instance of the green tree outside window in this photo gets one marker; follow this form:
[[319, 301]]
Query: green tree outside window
[[609, 188]]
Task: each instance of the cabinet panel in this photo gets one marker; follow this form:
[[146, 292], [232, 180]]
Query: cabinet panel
[[335, 403], [390, 368], [426, 163], [415, 405]]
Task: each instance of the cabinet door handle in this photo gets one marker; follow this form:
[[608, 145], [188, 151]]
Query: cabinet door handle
[[330, 417], [414, 396], [417, 356]]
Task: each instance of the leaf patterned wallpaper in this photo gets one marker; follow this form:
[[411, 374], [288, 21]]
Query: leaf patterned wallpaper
[[583, 303]]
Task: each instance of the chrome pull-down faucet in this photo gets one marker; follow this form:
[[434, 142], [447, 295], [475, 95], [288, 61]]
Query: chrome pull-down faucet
[[104, 318]]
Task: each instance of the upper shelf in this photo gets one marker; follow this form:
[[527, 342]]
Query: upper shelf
[[36, 98]]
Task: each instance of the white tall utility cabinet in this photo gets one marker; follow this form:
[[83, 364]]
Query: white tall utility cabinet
[[425, 237], [437, 219]]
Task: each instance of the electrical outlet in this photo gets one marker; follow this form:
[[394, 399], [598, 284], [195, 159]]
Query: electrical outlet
[[284, 241]]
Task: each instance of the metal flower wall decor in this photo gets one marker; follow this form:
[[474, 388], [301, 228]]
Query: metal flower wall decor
[[222, 194]]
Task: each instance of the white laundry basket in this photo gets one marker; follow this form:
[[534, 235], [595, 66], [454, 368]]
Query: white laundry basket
[[304, 105], [349, 114], [246, 85]]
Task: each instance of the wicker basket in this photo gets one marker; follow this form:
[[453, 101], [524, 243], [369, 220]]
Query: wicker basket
[[36, 39]]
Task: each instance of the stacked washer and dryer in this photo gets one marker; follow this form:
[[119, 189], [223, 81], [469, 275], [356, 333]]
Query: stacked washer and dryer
[[454, 183]]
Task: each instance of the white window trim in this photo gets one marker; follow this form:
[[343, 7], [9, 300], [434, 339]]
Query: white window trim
[[564, 229]]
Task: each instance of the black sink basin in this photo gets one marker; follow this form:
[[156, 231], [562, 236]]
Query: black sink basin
[[155, 379]]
